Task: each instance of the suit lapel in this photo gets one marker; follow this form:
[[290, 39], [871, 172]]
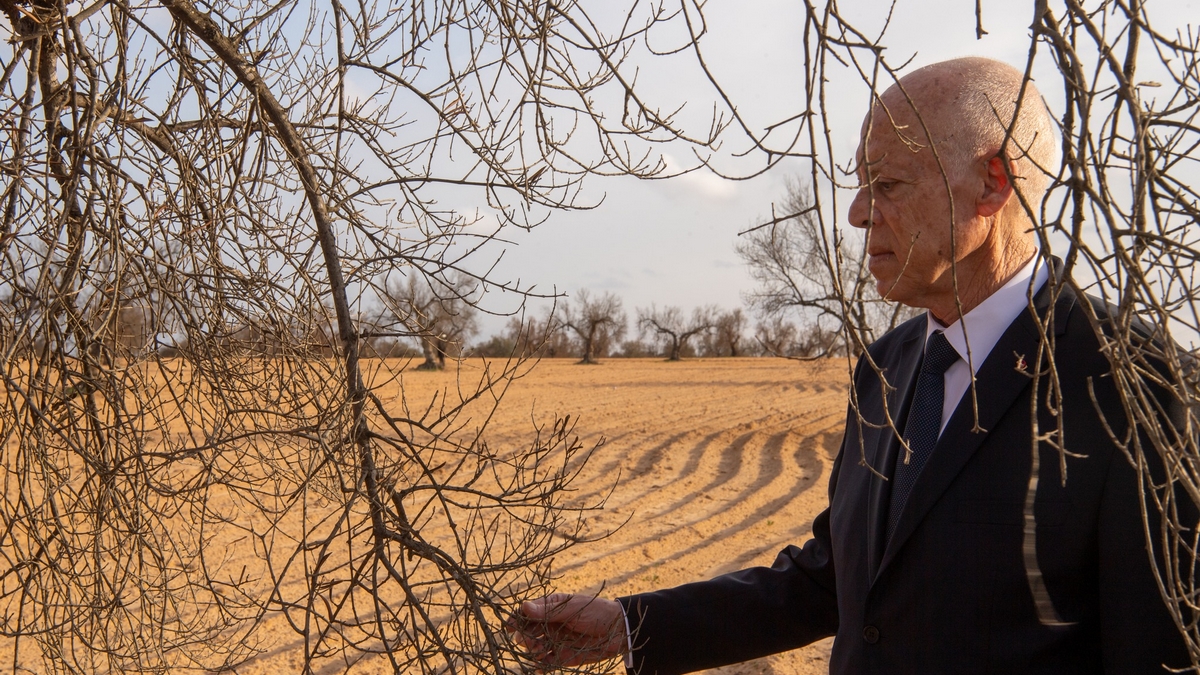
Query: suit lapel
[[999, 382], [881, 455]]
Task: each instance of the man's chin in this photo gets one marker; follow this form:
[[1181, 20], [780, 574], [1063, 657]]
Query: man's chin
[[890, 290], [885, 286]]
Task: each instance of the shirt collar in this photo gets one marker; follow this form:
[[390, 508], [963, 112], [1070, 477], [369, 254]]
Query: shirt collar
[[978, 331]]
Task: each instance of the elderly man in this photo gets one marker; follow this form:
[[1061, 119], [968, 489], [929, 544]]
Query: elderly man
[[951, 543]]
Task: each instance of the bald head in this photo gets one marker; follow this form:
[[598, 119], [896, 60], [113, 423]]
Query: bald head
[[968, 105], [943, 155]]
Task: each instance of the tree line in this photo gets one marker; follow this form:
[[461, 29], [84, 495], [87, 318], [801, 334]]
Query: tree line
[[794, 310], [417, 324], [591, 326]]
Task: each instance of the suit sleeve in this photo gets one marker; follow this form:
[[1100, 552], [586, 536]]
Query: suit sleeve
[[738, 616]]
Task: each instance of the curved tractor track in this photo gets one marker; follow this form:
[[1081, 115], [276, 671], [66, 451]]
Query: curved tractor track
[[708, 466]]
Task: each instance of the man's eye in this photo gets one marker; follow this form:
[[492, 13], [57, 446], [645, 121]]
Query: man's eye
[[877, 185]]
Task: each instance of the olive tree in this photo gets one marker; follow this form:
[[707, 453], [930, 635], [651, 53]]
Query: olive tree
[[670, 326], [728, 334], [597, 321], [440, 318]]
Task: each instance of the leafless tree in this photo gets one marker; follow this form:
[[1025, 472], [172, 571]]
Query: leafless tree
[[200, 202], [634, 348], [819, 274], [440, 315], [596, 321], [728, 334], [776, 336], [529, 337], [669, 326], [542, 337]]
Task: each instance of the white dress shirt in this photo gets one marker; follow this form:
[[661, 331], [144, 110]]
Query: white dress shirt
[[978, 330]]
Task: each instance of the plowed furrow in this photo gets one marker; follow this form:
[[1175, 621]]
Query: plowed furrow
[[770, 480], [719, 472]]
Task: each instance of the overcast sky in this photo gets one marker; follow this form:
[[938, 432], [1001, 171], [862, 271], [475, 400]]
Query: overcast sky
[[671, 242]]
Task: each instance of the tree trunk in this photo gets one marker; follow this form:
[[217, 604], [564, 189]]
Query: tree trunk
[[429, 351]]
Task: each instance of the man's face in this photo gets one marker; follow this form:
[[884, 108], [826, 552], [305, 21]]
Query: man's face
[[909, 226]]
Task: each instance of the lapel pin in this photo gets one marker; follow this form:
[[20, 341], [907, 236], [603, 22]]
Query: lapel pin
[[1022, 367]]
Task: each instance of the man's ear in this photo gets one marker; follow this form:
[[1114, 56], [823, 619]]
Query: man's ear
[[997, 188]]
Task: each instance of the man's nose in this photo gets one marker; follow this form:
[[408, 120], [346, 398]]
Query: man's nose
[[861, 209]]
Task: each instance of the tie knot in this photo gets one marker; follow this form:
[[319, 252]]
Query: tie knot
[[939, 354]]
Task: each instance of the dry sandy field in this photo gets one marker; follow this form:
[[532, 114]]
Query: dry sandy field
[[719, 464], [706, 466]]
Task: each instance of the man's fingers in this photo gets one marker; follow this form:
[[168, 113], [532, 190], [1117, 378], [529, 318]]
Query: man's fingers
[[523, 626], [568, 630], [547, 608]]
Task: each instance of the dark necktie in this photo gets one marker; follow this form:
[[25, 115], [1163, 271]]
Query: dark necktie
[[924, 423]]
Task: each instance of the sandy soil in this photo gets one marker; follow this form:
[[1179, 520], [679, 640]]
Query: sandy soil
[[707, 466], [720, 462]]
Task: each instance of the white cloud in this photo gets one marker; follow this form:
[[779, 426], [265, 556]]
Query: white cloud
[[698, 183]]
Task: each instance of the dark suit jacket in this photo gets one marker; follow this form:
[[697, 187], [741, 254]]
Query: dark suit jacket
[[952, 592]]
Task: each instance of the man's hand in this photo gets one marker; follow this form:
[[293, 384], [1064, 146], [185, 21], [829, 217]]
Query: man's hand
[[570, 630]]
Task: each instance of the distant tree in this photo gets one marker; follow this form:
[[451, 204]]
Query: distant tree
[[529, 337], [388, 348], [728, 334], [439, 314], [495, 347], [674, 330], [635, 349], [818, 341], [816, 274], [597, 322], [776, 336], [540, 337], [556, 341]]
